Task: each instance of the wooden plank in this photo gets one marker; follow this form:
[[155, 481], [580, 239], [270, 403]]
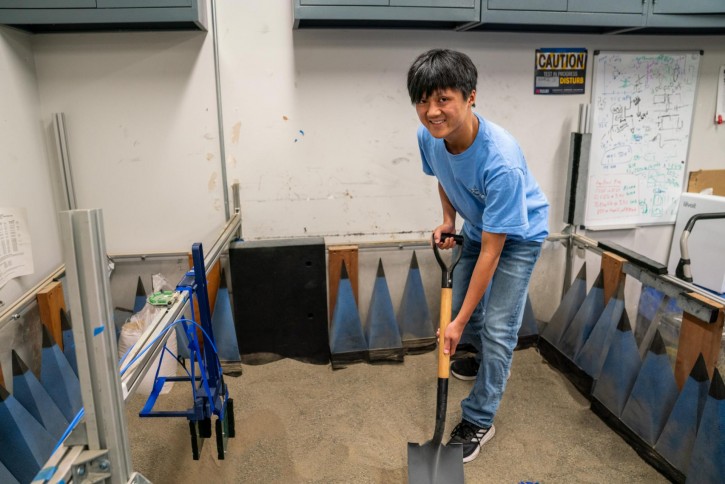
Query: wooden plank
[[213, 279], [336, 256], [50, 302], [613, 268], [697, 337]]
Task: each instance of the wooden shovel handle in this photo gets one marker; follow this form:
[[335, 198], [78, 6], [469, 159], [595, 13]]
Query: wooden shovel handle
[[444, 360]]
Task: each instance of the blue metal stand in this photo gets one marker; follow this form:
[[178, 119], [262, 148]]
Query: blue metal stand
[[210, 394]]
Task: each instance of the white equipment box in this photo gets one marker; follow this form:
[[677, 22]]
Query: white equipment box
[[706, 244]]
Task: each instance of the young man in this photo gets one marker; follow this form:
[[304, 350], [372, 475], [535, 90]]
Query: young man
[[483, 177]]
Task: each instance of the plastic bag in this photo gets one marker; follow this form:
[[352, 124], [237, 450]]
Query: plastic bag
[[131, 332]]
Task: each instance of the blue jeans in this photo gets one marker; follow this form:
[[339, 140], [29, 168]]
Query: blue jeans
[[494, 326]]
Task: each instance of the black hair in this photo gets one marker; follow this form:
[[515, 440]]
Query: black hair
[[441, 69]]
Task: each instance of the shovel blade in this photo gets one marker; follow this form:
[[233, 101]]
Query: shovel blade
[[435, 464]]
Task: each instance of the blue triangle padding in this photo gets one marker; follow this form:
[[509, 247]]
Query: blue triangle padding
[[649, 302], [529, 326], [140, 300], [590, 357], [347, 340], [25, 445], [5, 476], [567, 309], [414, 320], [182, 342], [31, 394], [676, 441], [707, 463], [619, 371], [69, 346], [58, 379], [222, 322], [584, 320], [653, 395], [381, 329]]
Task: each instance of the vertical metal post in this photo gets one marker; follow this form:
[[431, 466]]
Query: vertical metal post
[[568, 266], [220, 115], [87, 276], [66, 175], [237, 207], [202, 299]]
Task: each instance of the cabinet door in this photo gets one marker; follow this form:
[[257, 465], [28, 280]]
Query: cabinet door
[[609, 6], [47, 4], [361, 3], [533, 5], [142, 3], [434, 3], [689, 6]]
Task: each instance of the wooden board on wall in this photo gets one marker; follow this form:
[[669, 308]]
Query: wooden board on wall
[[612, 266], [50, 302], [698, 337], [336, 255]]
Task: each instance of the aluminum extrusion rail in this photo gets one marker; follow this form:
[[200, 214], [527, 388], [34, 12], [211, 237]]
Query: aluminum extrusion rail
[[665, 283]]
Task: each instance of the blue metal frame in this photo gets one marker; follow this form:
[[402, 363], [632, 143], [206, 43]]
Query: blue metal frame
[[210, 394]]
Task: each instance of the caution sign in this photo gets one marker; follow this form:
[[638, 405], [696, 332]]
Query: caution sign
[[560, 71]]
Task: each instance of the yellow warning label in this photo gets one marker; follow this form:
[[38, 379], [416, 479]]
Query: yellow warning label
[[561, 60]]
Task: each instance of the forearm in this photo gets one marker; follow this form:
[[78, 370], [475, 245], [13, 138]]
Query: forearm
[[491, 246], [449, 213]]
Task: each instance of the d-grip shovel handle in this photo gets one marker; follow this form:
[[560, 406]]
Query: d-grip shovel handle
[[444, 360], [447, 271]]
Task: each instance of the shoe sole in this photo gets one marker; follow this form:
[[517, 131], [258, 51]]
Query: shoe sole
[[471, 378], [463, 377], [489, 435]]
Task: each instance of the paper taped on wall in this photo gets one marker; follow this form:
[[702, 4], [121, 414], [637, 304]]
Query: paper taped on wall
[[16, 256]]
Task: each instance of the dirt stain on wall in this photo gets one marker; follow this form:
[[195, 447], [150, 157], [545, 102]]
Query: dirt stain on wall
[[235, 132]]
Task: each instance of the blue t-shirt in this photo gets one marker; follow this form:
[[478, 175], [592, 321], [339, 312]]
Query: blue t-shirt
[[489, 184]]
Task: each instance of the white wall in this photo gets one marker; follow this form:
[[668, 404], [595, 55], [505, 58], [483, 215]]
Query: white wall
[[25, 172], [141, 113], [356, 171]]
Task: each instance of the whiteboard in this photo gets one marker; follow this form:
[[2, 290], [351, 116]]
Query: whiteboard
[[642, 106]]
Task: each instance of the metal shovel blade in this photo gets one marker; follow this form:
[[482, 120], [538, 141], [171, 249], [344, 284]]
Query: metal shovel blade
[[432, 463]]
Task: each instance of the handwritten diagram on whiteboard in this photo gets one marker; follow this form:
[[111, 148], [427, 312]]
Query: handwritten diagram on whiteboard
[[642, 106]]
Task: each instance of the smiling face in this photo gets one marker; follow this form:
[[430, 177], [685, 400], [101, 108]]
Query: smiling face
[[447, 114]]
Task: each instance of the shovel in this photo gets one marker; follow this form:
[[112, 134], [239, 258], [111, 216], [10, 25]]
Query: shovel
[[433, 462]]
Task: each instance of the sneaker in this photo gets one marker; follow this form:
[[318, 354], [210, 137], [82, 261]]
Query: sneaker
[[465, 368], [471, 437]]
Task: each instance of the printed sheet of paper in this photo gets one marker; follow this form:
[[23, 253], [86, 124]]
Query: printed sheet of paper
[[16, 255]]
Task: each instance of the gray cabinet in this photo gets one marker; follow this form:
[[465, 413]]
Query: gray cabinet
[[443, 14], [688, 7], [703, 16], [528, 5], [596, 16], [47, 4], [350, 3], [610, 6], [100, 15], [565, 15]]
